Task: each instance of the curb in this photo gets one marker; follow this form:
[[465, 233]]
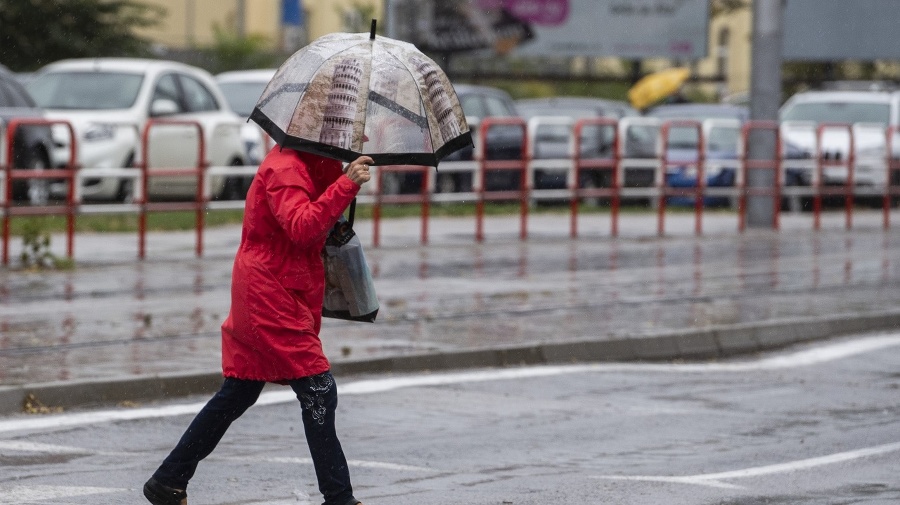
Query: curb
[[711, 343]]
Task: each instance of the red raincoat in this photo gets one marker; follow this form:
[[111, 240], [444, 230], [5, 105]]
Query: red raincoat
[[278, 282]]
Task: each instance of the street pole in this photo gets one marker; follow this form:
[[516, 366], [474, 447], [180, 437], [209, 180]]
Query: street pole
[[765, 100], [390, 18], [241, 18]]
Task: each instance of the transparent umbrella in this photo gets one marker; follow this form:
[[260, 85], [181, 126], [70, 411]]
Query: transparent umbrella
[[351, 94]]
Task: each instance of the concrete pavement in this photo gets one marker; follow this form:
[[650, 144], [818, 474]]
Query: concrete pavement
[[116, 329]]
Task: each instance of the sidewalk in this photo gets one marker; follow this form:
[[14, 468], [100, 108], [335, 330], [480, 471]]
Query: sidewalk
[[116, 329]]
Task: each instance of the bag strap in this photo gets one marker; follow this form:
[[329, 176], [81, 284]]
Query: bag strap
[[352, 212]]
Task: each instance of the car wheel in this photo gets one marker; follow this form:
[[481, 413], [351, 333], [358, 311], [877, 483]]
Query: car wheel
[[236, 187], [446, 183], [590, 183], [125, 192], [34, 191], [390, 184]]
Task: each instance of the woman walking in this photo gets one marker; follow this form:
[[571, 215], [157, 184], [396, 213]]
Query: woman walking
[[272, 331]]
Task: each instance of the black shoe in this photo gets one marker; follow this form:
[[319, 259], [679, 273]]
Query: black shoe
[[159, 494]]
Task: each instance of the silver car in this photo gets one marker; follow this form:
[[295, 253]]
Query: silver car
[[866, 114]]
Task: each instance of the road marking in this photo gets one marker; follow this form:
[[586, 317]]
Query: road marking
[[714, 479], [17, 495], [808, 357], [382, 465], [22, 446]]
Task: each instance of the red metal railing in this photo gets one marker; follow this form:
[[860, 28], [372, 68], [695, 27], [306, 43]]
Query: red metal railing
[[423, 197], [515, 165], [665, 190], [198, 171], [610, 164], [892, 167], [481, 168], [14, 173], [821, 163]]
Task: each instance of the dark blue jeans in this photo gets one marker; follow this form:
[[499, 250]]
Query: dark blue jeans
[[318, 397]]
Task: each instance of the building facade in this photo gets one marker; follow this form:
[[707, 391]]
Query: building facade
[[190, 24]]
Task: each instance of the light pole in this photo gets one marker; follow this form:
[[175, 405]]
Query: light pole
[[765, 100]]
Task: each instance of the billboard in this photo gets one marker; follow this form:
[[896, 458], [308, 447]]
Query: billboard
[[630, 29], [822, 30]]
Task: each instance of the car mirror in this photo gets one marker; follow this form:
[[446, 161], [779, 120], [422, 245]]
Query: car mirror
[[163, 107]]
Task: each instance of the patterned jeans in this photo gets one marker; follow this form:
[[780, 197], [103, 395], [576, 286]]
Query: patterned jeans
[[318, 397]]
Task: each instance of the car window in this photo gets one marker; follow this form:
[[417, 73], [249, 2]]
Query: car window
[[497, 107], [85, 90], [838, 112], [196, 96], [12, 95], [242, 96], [167, 89], [6, 99], [472, 106]]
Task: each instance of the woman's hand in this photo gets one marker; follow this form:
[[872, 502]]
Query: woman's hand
[[358, 170]]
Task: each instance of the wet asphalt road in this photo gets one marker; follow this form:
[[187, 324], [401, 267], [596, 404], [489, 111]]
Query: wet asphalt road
[[813, 425], [114, 316]]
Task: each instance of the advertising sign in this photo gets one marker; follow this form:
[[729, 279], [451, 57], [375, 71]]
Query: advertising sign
[[822, 30], [630, 29]]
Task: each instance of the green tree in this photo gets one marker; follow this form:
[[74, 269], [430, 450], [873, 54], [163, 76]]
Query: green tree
[[36, 32], [234, 52]]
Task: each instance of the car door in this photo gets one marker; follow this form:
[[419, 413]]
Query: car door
[[171, 146]]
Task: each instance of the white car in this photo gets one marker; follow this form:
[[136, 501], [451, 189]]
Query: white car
[[242, 89], [866, 114], [110, 100]]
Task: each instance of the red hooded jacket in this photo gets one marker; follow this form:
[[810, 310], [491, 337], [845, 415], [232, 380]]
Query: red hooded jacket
[[278, 281]]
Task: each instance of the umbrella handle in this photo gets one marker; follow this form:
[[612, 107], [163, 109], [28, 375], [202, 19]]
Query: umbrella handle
[[372, 31]]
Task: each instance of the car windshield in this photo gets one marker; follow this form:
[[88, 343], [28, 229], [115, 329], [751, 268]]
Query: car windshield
[[838, 112], [242, 96], [86, 90]]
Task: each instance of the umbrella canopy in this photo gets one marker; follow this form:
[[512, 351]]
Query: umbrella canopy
[[351, 94], [656, 86]]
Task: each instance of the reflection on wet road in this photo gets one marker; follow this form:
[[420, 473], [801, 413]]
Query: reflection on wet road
[[163, 315]]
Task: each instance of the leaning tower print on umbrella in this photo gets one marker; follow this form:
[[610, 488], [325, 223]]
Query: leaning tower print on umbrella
[[346, 95]]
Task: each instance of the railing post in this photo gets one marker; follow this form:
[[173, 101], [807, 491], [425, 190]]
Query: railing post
[[821, 163], [520, 165], [199, 203], [581, 164], [12, 173], [892, 166]]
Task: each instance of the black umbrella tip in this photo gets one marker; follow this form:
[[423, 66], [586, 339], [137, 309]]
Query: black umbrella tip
[[372, 31]]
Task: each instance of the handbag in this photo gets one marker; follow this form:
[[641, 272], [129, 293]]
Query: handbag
[[349, 288]]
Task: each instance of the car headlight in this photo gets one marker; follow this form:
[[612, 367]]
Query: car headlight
[[99, 131]]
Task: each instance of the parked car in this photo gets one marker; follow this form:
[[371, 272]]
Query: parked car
[[503, 143], [242, 89], [552, 141], [32, 145], [110, 100], [867, 113], [721, 127]]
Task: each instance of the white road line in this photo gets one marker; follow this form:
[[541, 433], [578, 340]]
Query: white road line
[[817, 355], [714, 479], [382, 465], [22, 446], [17, 495]]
